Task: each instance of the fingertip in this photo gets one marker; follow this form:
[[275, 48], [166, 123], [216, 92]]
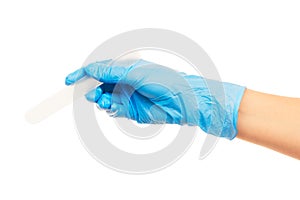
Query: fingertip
[[75, 76], [68, 81], [105, 101], [94, 95]]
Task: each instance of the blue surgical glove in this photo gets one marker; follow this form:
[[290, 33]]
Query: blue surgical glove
[[151, 93]]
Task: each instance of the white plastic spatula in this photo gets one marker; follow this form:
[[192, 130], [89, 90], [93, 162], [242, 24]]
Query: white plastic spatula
[[57, 101], [65, 96]]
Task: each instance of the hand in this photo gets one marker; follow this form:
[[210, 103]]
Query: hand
[[154, 94]]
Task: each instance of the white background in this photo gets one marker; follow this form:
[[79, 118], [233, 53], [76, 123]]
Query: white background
[[255, 44]]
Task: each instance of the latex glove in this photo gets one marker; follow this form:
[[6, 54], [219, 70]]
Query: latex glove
[[154, 94]]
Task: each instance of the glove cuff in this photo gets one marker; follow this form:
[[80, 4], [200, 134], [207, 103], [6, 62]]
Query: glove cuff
[[233, 97]]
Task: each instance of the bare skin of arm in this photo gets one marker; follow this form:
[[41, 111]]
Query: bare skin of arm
[[271, 121]]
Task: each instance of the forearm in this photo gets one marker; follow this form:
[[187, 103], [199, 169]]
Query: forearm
[[271, 121]]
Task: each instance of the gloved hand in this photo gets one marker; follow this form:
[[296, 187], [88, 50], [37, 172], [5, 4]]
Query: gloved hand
[[154, 94]]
